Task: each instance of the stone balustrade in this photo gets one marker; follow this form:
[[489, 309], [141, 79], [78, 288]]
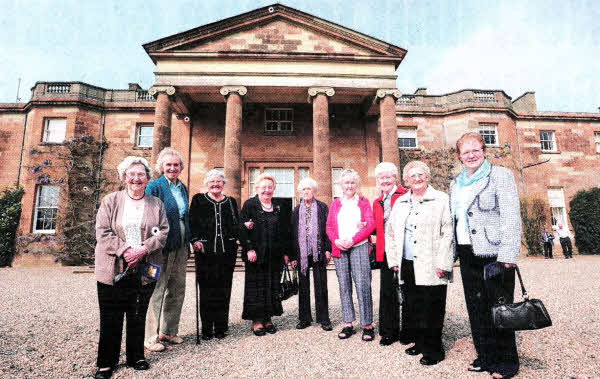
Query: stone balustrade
[[73, 90]]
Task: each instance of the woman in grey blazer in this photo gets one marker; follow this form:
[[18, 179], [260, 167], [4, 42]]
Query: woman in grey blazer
[[131, 229], [485, 207], [417, 240]]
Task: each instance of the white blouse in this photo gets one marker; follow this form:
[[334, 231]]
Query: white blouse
[[132, 221], [348, 218]]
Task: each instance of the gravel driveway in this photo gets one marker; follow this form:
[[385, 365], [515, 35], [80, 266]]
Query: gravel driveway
[[49, 328]]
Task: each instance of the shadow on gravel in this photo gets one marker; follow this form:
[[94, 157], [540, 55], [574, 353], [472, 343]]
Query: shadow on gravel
[[455, 328], [532, 363]]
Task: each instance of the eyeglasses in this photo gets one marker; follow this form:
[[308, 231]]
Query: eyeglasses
[[475, 153], [136, 175]]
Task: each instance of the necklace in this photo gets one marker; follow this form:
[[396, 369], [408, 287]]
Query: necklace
[[133, 198], [265, 207]]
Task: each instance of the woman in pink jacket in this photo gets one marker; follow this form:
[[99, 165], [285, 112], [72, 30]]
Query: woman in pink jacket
[[349, 224]]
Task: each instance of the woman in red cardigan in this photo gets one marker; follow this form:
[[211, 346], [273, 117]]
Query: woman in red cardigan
[[349, 224]]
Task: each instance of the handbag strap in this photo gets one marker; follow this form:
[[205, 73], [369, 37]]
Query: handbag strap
[[286, 273], [523, 290]]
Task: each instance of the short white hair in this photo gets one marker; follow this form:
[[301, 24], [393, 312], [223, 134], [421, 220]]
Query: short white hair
[[265, 176], [351, 173], [415, 164], [386, 168], [307, 182], [161, 157], [128, 162], [212, 173]]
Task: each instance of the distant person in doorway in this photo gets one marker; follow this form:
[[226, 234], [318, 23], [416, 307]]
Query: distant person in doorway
[[565, 241], [547, 242]]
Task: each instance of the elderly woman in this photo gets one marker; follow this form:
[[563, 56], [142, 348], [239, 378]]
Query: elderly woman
[[167, 300], [485, 206], [264, 234], [349, 224], [418, 238], [312, 248], [386, 175], [214, 233], [131, 231]]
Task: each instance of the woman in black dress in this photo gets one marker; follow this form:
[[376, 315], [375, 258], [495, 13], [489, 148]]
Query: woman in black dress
[[214, 233], [264, 234]]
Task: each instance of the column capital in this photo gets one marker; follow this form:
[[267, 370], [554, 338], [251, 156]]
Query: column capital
[[383, 92], [327, 91], [154, 90], [240, 90]]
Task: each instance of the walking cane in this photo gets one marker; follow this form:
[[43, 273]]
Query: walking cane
[[197, 295]]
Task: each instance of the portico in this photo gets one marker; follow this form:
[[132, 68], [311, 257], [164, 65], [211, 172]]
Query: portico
[[275, 88]]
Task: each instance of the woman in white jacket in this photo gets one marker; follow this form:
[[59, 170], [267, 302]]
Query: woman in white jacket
[[418, 238]]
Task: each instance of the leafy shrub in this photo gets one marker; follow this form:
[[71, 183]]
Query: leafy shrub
[[585, 219], [10, 215], [534, 213]]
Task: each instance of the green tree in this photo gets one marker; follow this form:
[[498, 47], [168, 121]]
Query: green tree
[[10, 215], [585, 218], [534, 213]]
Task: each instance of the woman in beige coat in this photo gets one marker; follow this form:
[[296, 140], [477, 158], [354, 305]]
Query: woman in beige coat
[[131, 231], [418, 237]]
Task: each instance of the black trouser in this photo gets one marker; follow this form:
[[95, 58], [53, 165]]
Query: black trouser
[[321, 295], [496, 349], [425, 308], [548, 249], [567, 249], [214, 273], [127, 298], [389, 308]]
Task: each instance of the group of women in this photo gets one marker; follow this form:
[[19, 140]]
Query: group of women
[[419, 233]]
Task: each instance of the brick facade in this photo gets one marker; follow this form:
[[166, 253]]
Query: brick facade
[[355, 107]]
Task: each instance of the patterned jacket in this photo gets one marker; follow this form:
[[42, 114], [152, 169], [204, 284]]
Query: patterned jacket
[[494, 216]]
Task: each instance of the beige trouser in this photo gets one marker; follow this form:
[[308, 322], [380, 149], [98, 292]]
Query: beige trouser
[[164, 311]]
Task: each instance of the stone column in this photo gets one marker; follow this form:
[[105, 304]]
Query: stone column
[[387, 124], [162, 119], [321, 149], [232, 161]]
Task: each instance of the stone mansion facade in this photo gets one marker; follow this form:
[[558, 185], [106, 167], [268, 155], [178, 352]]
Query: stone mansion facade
[[279, 90]]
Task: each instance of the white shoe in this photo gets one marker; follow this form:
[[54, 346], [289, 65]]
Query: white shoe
[[155, 347]]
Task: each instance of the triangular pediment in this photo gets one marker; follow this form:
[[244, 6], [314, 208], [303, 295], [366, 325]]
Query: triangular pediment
[[274, 30]]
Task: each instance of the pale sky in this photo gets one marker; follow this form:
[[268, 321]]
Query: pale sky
[[550, 47]]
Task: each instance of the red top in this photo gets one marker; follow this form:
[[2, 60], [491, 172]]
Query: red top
[[378, 213], [366, 216]]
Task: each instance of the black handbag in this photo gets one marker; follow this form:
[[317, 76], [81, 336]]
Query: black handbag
[[530, 314], [373, 256], [287, 286]]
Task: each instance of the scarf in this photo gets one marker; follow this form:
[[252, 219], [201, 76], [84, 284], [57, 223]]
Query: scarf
[[460, 191], [308, 231]]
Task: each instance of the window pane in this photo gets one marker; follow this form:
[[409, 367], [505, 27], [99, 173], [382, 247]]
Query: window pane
[[55, 130], [146, 130], [145, 141], [406, 143], [336, 174], [303, 173], [253, 173], [48, 196], [46, 219]]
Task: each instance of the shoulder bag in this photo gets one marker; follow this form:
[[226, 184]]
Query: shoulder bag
[[530, 314]]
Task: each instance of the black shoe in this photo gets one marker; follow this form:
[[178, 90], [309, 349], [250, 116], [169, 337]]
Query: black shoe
[[302, 325], [476, 366], [327, 327], [386, 341], [140, 365], [104, 374], [270, 328], [426, 361], [220, 335], [412, 351]]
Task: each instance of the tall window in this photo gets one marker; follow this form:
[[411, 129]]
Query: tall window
[[279, 120], [547, 141], [144, 135], [336, 176], [407, 138], [597, 141], [556, 200], [46, 207], [489, 132], [54, 130]]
